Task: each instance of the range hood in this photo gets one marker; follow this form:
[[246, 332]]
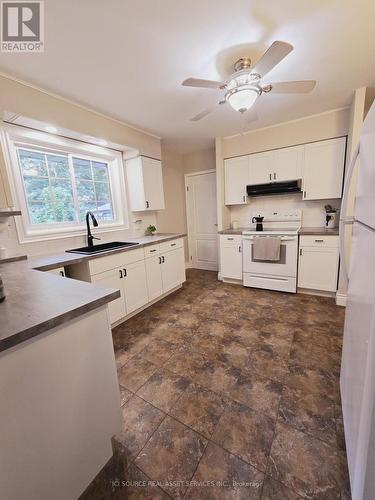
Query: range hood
[[274, 188]]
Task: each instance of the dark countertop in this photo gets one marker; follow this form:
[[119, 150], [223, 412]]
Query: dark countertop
[[15, 258], [67, 259], [234, 231], [319, 231], [9, 213], [37, 301]]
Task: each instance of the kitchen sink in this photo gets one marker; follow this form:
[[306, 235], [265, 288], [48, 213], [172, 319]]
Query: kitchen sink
[[103, 247]]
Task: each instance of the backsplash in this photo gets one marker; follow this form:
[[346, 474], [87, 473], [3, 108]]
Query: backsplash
[[313, 214], [9, 238]]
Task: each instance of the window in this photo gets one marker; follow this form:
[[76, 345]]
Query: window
[[58, 182]]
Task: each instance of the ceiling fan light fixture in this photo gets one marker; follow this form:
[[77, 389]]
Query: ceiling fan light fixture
[[242, 99]]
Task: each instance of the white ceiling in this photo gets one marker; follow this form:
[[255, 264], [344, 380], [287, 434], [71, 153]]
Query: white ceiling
[[127, 59]]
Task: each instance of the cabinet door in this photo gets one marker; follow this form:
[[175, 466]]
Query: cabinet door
[[112, 279], [231, 256], [287, 164], [236, 180], [323, 169], [153, 184], [318, 268], [135, 286], [173, 269], [261, 166], [154, 279]]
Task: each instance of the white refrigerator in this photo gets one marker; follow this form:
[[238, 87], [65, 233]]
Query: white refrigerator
[[357, 378]]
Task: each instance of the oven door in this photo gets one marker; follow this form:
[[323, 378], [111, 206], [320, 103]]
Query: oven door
[[286, 266]]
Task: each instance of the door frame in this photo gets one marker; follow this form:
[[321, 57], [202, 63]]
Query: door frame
[[187, 176]]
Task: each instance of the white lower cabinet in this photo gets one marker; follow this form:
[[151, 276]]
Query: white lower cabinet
[[231, 256], [135, 286], [142, 275], [318, 263], [154, 279], [112, 279], [172, 269]]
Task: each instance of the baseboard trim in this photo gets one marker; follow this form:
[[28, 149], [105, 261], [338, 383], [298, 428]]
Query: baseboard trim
[[341, 299]]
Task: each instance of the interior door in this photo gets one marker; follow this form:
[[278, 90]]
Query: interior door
[[154, 280], [261, 166], [112, 279], [173, 269], [202, 220], [135, 286]]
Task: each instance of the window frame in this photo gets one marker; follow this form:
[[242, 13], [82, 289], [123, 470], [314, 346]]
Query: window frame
[[13, 137]]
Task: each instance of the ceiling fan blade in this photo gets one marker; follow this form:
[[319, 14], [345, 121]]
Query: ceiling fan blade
[[299, 87], [198, 82], [273, 55], [206, 112]]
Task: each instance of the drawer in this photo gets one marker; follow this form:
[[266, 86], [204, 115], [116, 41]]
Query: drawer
[[319, 241], [285, 284], [119, 259], [171, 245], [231, 240], [152, 250]]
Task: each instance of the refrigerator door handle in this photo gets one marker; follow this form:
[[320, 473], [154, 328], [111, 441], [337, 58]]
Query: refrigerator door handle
[[344, 204]]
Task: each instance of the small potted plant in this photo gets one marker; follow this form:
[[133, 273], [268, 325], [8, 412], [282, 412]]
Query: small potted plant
[[331, 214], [150, 230]]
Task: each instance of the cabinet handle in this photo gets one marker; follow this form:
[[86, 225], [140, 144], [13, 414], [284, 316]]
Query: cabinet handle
[[239, 248], [304, 194], [163, 259], [274, 175], [300, 251], [154, 250], [159, 260], [62, 274], [125, 273], [121, 276], [244, 198], [270, 177], [230, 239], [319, 241], [173, 244], [147, 204]]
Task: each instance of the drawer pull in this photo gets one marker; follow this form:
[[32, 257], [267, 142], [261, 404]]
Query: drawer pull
[[319, 241], [230, 239], [154, 250], [173, 244]]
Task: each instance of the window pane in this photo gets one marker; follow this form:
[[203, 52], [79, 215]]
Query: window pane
[[104, 211], [58, 166], [102, 191], [32, 163], [82, 168], [86, 192], [41, 213], [37, 189], [100, 171]]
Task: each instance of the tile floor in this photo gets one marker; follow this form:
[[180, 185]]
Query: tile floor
[[229, 392]]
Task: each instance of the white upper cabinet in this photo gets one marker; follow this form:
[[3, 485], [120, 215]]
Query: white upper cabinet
[[287, 164], [236, 180], [145, 184], [323, 169], [261, 166]]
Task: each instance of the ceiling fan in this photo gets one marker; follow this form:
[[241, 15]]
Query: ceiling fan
[[244, 86]]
